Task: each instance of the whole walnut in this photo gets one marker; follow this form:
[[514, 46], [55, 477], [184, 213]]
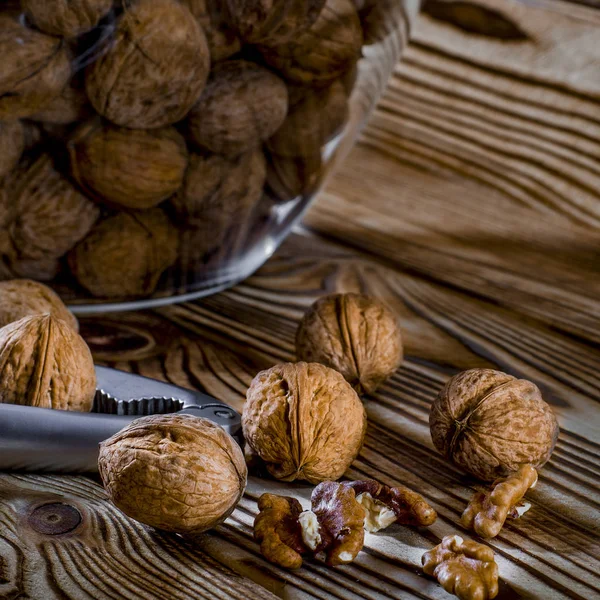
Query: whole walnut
[[242, 105], [314, 118], [271, 22], [325, 51], [23, 297], [70, 106], [12, 144], [222, 40], [354, 334], [125, 254], [67, 18], [50, 215], [489, 423], [178, 473], [156, 68], [304, 421], [44, 362], [132, 168], [290, 177], [35, 68]]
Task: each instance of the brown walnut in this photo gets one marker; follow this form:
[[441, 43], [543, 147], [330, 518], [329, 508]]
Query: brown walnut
[[70, 106], [489, 423], [271, 22], [314, 117], [466, 569], [125, 254], [156, 68], [23, 298], [34, 70], [354, 334], [242, 105], [68, 18], [12, 144], [177, 473], [290, 177], [44, 362], [223, 42], [131, 168], [323, 52], [304, 421]]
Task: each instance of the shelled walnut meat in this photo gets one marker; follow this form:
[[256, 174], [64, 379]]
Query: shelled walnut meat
[[323, 52], [355, 334], [487, 511], [125, 254], [128, 168], [242, 105], [35, 68], [463, 568], [155, 69], [490, 423], [23, 297], [303, 421], [177, 473], [45, 363]]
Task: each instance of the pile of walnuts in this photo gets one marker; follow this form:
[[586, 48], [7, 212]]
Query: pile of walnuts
[[159, 130]]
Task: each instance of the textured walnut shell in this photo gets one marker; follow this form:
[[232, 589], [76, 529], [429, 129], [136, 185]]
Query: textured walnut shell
[[323, 52], [51, 216], [12, 144], [174, 472], [125, 254], [131, 168], [290, 177], [70, 106], [489, 423], [223, 42], [34, 71], [156, 68], [242, 105], [314, 118], [68, 18], [304, 421], [45, 363], [23, 298], [355, 334], [271, 22]]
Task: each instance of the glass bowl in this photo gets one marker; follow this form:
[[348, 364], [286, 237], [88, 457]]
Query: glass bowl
[[120, 202]]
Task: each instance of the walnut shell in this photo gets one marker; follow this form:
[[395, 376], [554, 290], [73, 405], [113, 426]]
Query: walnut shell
[[156, 68], [22, 298], [325, 51], [128, 167], [271, 22], [223, 42], [34, 70], [70, 106], [314, 118], [174, 472], [12, 144], [354, 334], [489, 423], [67, 18], [50, 215], [304, 421], [290, 177], [45, 363], [242, 105], [125, 254]]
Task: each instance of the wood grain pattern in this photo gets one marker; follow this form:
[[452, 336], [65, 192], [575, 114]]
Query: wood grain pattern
[[481, 230]]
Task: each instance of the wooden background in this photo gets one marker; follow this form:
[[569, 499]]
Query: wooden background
[[471, 205]]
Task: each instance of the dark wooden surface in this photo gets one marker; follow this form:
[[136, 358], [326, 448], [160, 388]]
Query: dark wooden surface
[[471, 205]]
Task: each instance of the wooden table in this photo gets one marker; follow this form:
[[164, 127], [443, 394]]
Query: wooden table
[[471, 205]]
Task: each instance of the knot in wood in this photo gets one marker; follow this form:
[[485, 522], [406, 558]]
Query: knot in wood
[[55, 519]]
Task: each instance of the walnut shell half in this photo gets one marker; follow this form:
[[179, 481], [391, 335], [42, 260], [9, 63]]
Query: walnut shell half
[[304, 421], [156, 68], [174, 472], [45, 363], [489, 423], [355, 334]]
